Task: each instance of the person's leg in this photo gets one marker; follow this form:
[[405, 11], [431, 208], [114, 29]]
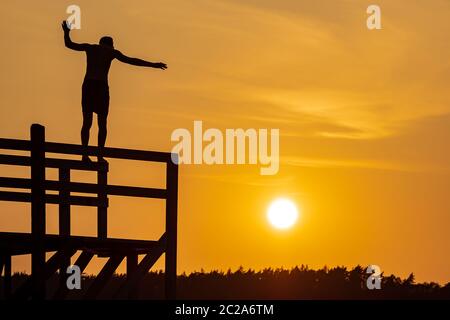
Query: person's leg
[[87, 123], [102, 131]]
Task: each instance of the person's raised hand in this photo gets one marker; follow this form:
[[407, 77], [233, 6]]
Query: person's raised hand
[[65, 27], [161, 65]]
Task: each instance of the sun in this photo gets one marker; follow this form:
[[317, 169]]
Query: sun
[[282, 213]]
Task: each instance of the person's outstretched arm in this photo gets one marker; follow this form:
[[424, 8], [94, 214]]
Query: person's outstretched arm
[[139, 62], [69, 43]]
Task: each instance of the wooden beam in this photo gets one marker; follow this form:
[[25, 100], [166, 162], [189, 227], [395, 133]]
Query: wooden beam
[[76, 164], [51, 266], [149, 260], [136, 192], [77, 200], [84, 259], [105, 274], [126, 191], [15, 144], [15, 196], [54, 263], [15, 160], [21, 243], [118, 153], [54, 199], [144, 266], [53, 185], [21, 183]]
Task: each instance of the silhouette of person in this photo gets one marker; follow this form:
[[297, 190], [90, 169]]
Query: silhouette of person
[[95, 89]]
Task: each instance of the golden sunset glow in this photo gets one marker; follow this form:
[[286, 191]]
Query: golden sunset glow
[[363, 116]]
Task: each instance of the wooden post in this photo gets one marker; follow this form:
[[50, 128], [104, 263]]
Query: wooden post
[[132, 263], [38, 211], [102, 213], [171, 229], [64, 217]]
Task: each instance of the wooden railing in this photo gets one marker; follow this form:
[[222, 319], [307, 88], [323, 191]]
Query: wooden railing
[[97, 196]]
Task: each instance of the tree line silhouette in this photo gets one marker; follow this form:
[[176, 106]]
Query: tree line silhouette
[[297, 283]]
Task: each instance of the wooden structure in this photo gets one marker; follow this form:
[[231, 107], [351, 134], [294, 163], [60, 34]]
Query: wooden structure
[[38, 243]]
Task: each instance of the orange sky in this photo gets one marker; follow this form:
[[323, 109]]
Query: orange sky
[[364, 119]]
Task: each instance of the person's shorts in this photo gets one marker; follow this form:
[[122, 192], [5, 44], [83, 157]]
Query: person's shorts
[[95, 96]]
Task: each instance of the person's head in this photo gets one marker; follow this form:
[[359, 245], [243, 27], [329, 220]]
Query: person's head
[[107, 41]]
